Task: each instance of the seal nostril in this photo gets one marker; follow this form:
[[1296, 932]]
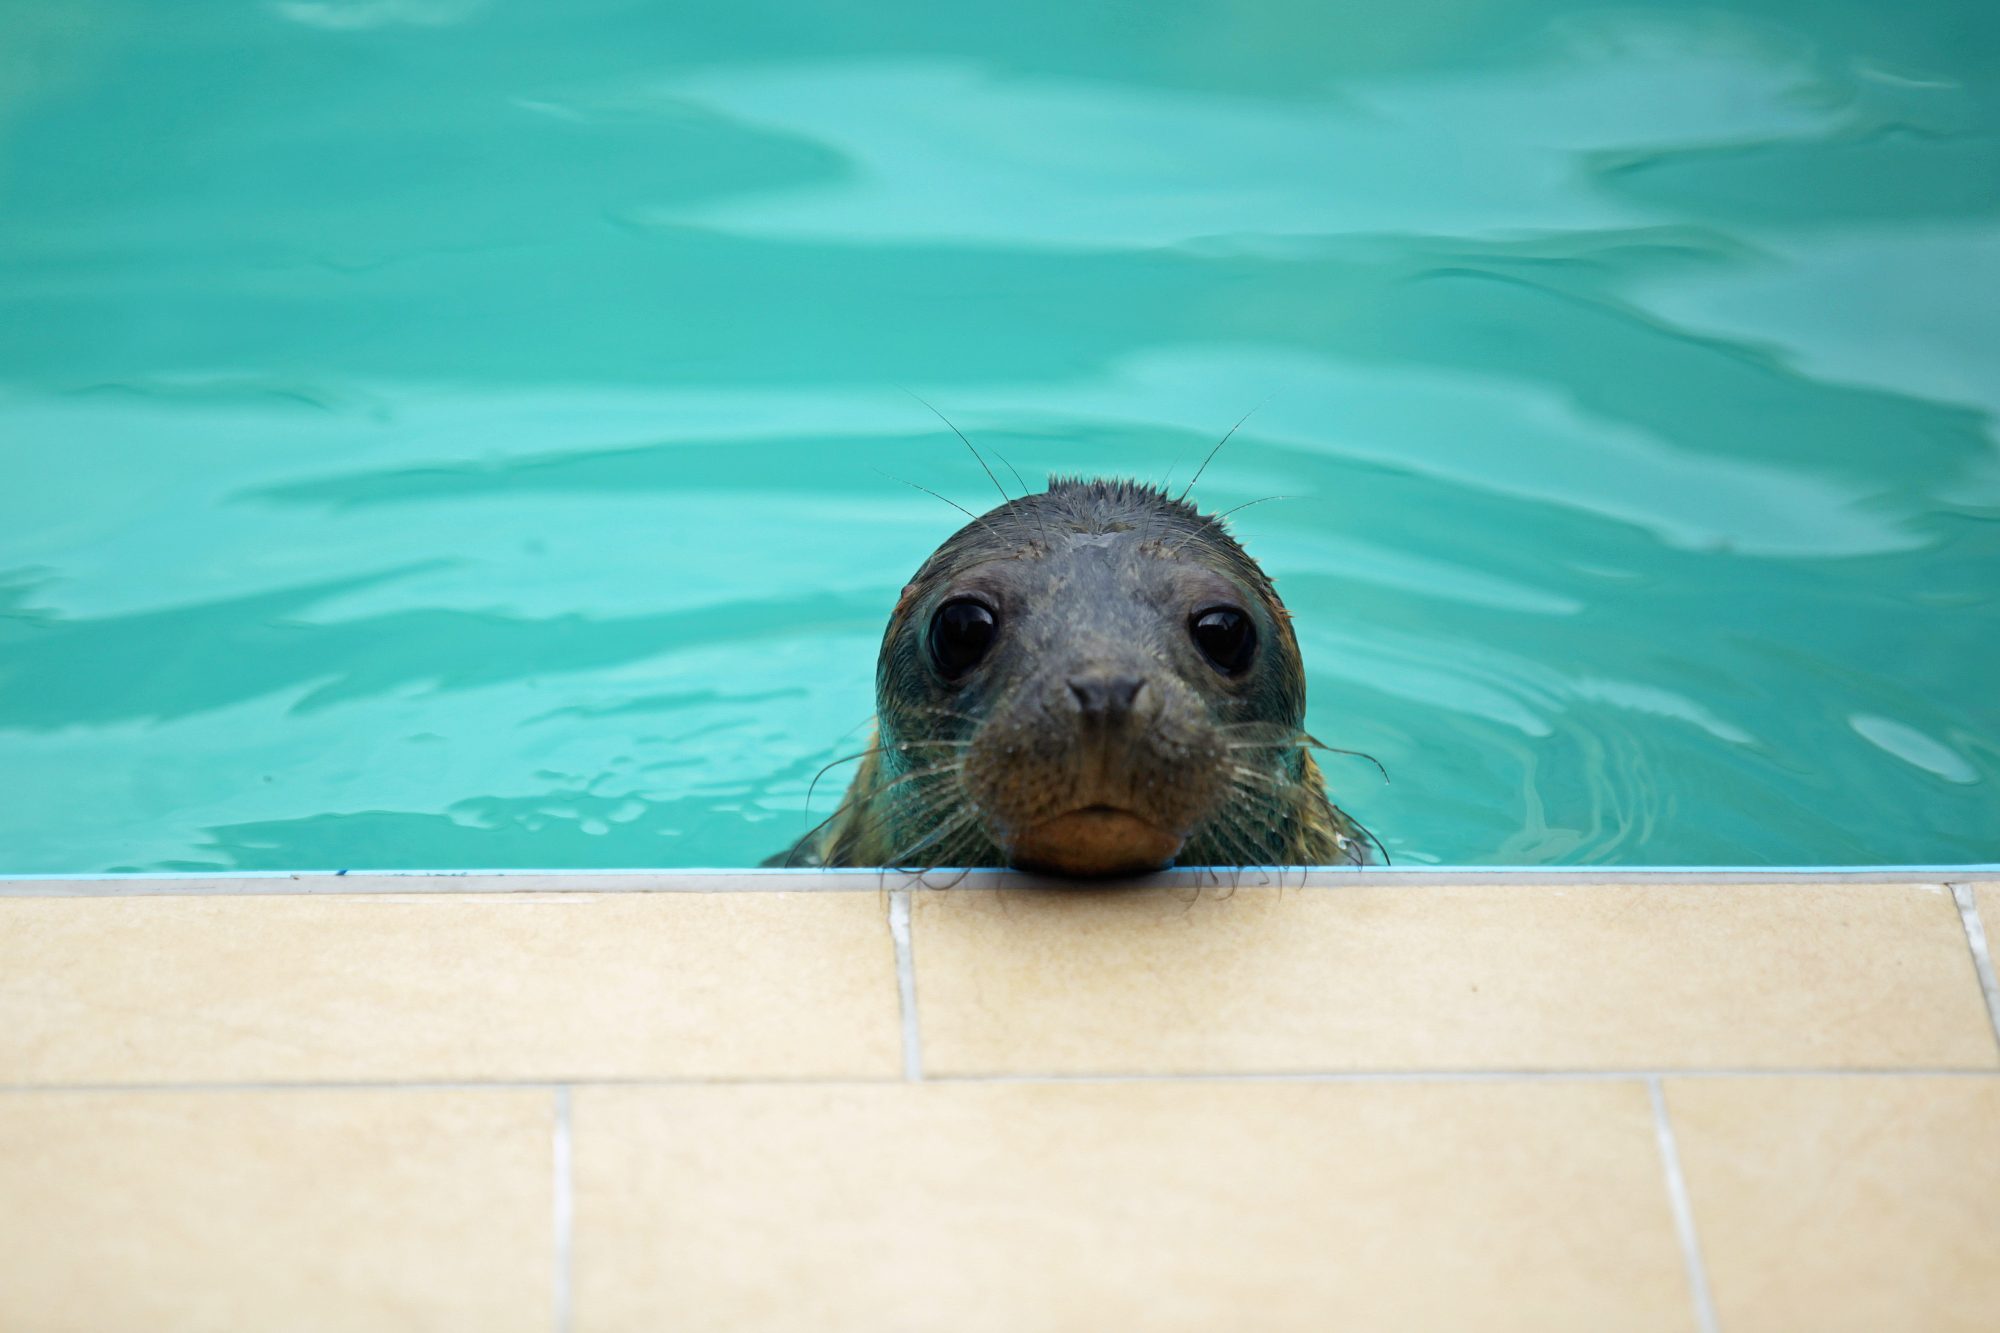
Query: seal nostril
[[1124, 692], [1105, 696]]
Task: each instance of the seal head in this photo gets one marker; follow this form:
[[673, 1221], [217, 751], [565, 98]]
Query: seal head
[[1092, 680]]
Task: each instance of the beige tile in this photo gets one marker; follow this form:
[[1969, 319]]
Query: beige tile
[[1864, 1203], [303, 1211], [1195, 1206], [1505, 976], [440, 987]]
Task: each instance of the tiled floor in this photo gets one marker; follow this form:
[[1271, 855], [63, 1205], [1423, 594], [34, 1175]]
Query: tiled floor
[[1387, 1100]]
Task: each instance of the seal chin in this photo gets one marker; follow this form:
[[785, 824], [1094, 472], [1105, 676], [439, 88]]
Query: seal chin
[[1096, 841]]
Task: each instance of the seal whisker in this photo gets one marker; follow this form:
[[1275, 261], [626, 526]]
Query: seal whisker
[[852, 799], [844, 759], [1214, 852], [1011, 468], [957, 821], [1369, 834], [862, 754], [978, 520], [1246, 777], [958, 848], [921, 803], [1281, 733], [935, 711], [1218, 448], [1236, 842], [1004, 497], [1267, 800], [940, 770], [1215, 520], [927, 491], [948, 850], [1304, 742], [1309, 743], [847, 802]]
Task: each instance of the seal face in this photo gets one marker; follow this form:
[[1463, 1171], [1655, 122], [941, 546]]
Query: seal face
[[1092, 680]]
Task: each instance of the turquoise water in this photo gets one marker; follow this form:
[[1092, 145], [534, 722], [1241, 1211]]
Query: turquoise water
[[449, 433]]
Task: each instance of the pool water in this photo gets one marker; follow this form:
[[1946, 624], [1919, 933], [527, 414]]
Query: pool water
[[473, 433]]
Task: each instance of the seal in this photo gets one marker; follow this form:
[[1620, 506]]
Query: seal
[[1090, 680]]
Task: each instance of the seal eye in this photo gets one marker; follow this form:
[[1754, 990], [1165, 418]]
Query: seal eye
[[1226, 638], [962, 632]]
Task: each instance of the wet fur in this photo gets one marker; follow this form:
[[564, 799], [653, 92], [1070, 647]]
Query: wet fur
[[1229, 762]]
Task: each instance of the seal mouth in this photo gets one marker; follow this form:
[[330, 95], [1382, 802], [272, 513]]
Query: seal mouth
[[1095, 841]]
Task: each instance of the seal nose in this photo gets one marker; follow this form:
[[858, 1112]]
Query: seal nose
[[1105, 698]]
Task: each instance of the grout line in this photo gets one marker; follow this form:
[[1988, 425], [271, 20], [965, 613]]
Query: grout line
[[1982, 955], [566, 1085], [906, 985], [1677, 1198], [448, 1085], [564, 1216], [1466, 1075]]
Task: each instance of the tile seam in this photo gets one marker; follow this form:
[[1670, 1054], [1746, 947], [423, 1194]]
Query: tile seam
[[1683, 1210], [906, 985], [1360, 1076], [563, 1215], [1982, 953], [1461, 1075], [442, 1085]]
